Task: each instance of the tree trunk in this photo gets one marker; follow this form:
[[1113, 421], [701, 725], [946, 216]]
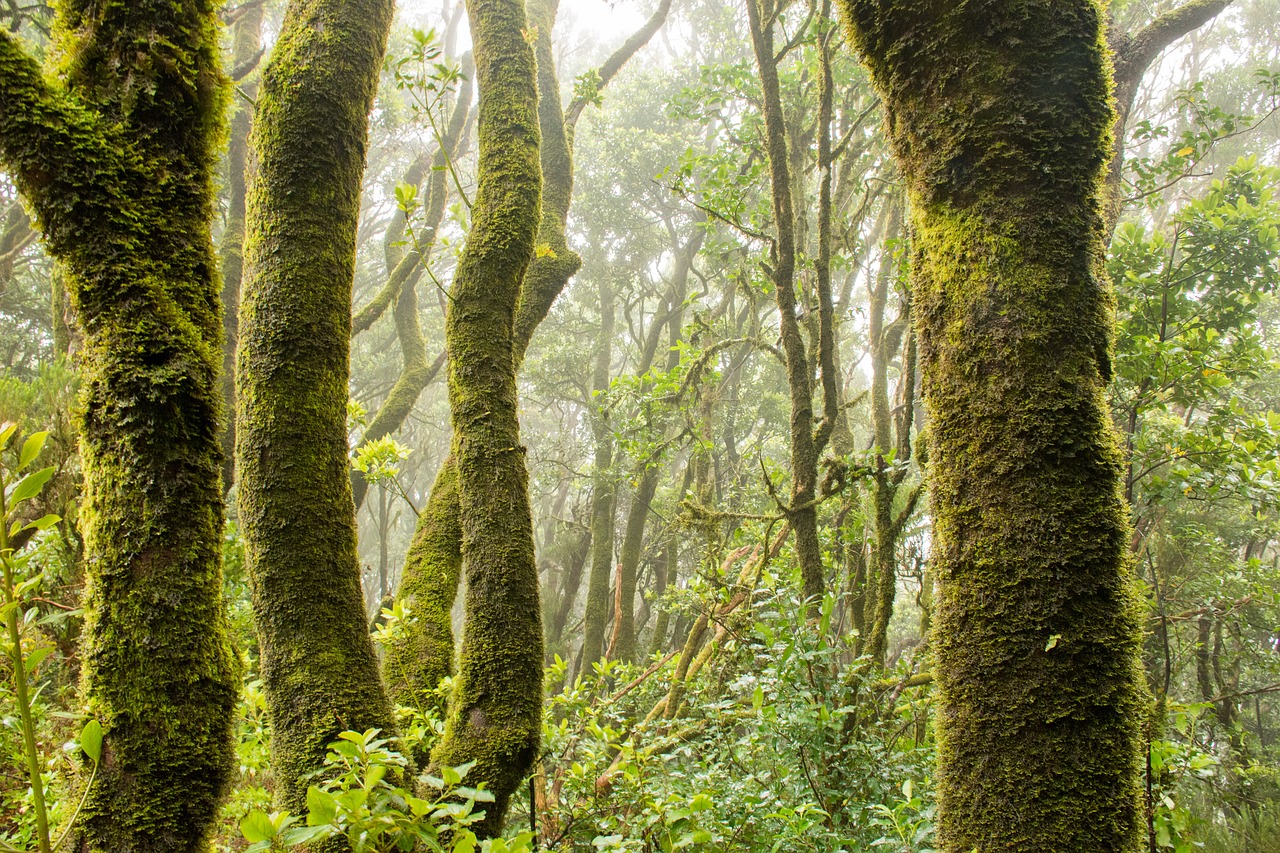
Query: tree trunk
[[246, 46], [318, 667], [1000, 116], [423, 654], [495, 715], [603, 490], [116, 163], [430, 646], [802, 511]]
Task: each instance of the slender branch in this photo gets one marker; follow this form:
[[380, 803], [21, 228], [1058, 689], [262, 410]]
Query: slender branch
[[619, 58]]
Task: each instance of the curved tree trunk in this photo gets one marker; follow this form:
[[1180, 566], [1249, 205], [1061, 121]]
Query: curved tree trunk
[[318, 665], [119, 176], [495, 714], [544, 280], [1000, 116]]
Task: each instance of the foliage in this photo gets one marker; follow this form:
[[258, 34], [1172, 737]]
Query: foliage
[[22, 577], [366, 799]]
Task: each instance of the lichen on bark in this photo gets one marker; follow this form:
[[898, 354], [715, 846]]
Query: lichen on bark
[[1000, 117]]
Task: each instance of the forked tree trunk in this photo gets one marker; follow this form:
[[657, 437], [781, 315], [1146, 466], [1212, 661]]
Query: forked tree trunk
[[495, 714], [116, 161]]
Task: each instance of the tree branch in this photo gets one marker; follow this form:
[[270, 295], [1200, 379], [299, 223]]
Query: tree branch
[[57, 152], [1135, 53], [620, 57]]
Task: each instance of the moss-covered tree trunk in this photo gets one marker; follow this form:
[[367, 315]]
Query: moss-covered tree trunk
[[495, 714], [599, 604], [116, 160], [1000, 116], [246, 49], [318, 665], [806, 447]]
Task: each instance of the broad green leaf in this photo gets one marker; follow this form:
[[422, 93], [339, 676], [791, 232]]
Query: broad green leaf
[[34, 659], [257, 827], [44, 522], [374, 775], [29, 486], [322, 807], [91, 741], [31, 449]]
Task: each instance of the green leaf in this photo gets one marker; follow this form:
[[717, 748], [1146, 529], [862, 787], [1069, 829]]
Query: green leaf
[[322, 807], [374, 775], [31, 449], [353, 799], [42, 523], [305, 835], [257, 827], [29, 486], [6, 432], [34, 659], [91, 741]]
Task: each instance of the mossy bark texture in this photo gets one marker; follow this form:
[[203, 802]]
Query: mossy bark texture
[[495, 715], [423, 655], [1000, 116], [116, 160], [246, 41], [308, 143], [805, 450], [433, 566]]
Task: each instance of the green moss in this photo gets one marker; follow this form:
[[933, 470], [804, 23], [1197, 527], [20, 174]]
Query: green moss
[[416, 663], [318, 666], [1000, 116], [432, 568], [496, 710], [116, 162]]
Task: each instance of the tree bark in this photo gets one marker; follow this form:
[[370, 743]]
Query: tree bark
[[802, 511], [1000, 117], [495, 714], [318, 668], [116, 161], [246, 41]]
